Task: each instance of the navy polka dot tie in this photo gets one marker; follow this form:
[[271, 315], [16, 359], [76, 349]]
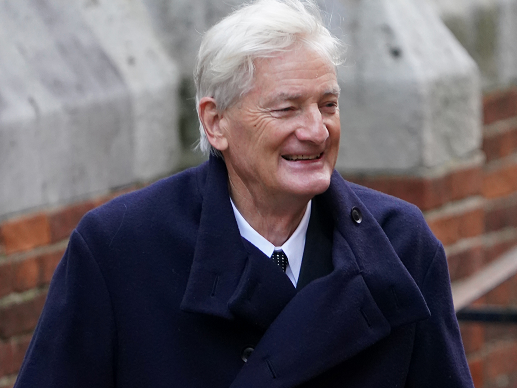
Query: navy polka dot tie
[[280, 258]]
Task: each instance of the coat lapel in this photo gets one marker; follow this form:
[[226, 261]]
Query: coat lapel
[[333, 318], [368, 293], [229, 277]]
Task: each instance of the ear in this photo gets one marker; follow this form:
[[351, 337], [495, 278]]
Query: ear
[[210, 118]]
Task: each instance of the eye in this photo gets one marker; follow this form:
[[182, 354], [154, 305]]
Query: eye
[[330, 107], [282, 112]]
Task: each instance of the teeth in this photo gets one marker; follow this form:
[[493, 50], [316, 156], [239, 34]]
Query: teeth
[[301, 157]]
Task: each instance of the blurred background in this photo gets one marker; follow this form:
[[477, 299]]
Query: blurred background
[[97, 99]]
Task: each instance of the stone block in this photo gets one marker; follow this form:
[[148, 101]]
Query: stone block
[[487, 29], [126, 33], [87, 101], [182, 23], [410, 93]]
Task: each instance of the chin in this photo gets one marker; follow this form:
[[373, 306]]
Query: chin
[[311, 188]]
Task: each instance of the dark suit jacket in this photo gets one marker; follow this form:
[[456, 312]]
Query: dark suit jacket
[[158, 289]]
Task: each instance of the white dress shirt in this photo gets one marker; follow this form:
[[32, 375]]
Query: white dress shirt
[[293, 247]]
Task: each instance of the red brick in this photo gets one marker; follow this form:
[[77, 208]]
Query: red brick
[[20, 318], [26, 274], [494, 251], [501, 215], [500, 145], [464, 183], [5, 279], [464, 263], [427, 193], [424, 193], [48, 264], [500, 105], [2, 245], [6, 358], [452, 228], [63, 221], [497, 332], [12, 353], [25, 233], [476, 370], [473, 336], [31, 272], [19, 348], [513, 283], [500, 295], [501, 360], [500, 182]]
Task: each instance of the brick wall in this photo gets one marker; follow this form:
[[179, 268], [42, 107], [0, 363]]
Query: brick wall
[[492, 348], [31, 246], [472, 209]]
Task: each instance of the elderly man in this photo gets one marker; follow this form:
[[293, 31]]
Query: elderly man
[[261, 267]]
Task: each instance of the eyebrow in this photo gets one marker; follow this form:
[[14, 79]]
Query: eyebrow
[[333, 92]]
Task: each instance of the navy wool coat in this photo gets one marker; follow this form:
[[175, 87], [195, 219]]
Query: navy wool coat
[[158, 289]]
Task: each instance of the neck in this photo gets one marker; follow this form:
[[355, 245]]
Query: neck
[[272, 218]]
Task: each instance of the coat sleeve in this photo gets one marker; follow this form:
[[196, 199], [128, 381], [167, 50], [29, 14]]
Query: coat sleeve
[[73, 344], [438, 358]]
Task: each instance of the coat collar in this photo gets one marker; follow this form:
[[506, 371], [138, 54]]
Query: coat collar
[[368, 293], [228, 277]]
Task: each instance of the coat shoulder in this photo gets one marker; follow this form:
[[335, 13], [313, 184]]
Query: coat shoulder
[[172, 202], [404, 225], [385, 207]]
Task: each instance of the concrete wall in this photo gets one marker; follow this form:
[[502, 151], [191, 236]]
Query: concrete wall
[[488, 31], [98, 94], [422, 88], [411, 95], [87, 101]]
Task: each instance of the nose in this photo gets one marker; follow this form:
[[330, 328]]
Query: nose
[[312, 128]]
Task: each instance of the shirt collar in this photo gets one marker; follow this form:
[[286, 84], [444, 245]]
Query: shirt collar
[[293, 247]]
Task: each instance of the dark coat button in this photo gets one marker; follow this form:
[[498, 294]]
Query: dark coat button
[[357, 217], [246, 353]]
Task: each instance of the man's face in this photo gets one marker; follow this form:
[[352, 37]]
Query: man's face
[[283, 136]]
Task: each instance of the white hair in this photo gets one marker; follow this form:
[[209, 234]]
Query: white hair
[[225, 62]]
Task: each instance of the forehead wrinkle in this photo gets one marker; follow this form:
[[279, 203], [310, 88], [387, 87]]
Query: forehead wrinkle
[[282, 96], [286, 96]]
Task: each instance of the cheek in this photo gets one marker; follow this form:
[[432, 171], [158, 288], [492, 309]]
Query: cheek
[[262, 131], [335, 129]]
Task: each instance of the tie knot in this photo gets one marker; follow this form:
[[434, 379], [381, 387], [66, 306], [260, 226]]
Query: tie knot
[[280, 259]]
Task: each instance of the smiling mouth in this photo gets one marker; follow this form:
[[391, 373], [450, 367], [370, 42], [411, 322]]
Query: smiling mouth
[[301, 157]]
